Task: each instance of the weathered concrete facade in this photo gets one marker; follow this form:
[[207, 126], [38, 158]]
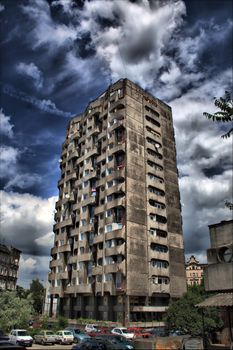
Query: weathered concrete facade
[[118, 251], [219, 272]]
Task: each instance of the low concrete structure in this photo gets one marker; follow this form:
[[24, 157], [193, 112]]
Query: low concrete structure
[[219, 272]]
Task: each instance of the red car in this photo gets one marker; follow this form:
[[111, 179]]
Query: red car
[[139, 332]]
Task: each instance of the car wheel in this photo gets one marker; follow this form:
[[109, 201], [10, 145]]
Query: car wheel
[[42, 342], [75, 340]]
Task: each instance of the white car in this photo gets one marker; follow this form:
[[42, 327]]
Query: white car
[[64, 337], [20, 337], [123, 332], [91, 328]]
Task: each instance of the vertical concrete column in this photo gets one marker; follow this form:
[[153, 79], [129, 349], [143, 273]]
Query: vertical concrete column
[[51, 306], [126, 311]]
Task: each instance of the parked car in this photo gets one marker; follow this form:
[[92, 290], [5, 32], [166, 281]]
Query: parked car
[[159, 332], [119, 341], [45, 337], [87, 344], [64, 337], [77, 334], [91, 328], [123, 332], [139, 332], [3, 336], [5, 345], [20, 337]]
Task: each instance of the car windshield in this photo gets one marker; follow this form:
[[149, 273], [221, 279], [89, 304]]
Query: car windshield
[[77, 331], [125, 331], [22, 333], [67, 333], [49, 333]]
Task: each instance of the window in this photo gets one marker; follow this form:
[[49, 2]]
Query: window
[[118, 280], [156, 204], [85, 184], [82, 236], [109, 184], [84, 209], [154, 165], [108, 228], [109, 198], [108, 277], [83, 222], [156, 191], [159, 264], [85, 195], [159, 248], [108, 213]]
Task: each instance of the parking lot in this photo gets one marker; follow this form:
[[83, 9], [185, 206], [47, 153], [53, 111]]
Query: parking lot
[[50, 347]]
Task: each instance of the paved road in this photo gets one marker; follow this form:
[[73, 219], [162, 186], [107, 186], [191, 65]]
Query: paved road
[[50, 347]]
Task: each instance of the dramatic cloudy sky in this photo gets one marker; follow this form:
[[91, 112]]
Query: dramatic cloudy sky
[[57, 55]]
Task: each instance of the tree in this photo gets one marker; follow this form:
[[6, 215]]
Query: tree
[[183, 315], [37, 294], [225, 113], [15, 312]]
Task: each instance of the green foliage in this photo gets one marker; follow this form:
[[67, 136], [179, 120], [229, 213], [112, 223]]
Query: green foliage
[[225, 113], [183, 315], [62, 322], [37, 294], [45, 322], [22, 292], [15, 312]]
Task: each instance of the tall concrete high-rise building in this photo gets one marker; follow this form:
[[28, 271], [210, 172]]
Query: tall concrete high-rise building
[[118, 251]]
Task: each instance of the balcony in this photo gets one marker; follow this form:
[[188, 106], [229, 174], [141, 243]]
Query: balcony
[[54, 250], [159, 240], [154, 159], [155, 183], [84, 288], [73, 154], [153, 254], [67, 222], [71, 176], [115, 234], [160, 271], [116, 189], [117, 107], [62, 275], [159, 288], [116, 203], [70, 290], [54, 263], [97, 270], [85, 257], [119, 249], [116, 124], [56, 291], [73, 259], [114, 268], [100, 209], [156, 198], [51, 276], [64, 248], [98, 238], [87, 228], [117, 148]]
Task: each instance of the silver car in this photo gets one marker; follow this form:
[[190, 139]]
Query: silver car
[[45, 337]]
